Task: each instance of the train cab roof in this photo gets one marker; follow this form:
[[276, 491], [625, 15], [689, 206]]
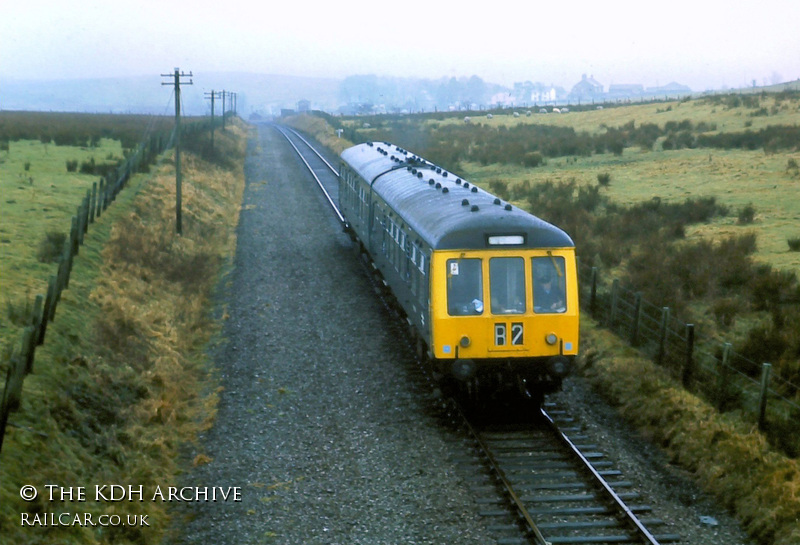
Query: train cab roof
[[449, 213]]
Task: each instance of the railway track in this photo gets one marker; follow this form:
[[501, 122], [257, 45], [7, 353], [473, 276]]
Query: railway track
[[537, 480]]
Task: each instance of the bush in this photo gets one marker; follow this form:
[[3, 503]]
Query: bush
[[747, 214], [51, 247], [19, 312], [532, 159], [72, 166], [794, 244], [604, 179]]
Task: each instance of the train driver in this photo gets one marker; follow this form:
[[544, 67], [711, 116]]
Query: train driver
[[548, 295]]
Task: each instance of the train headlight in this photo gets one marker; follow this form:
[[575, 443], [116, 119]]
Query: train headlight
[[465, 341], [551, 338]]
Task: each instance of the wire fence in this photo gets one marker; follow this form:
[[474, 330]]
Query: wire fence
[[97, 200], [704, 366]]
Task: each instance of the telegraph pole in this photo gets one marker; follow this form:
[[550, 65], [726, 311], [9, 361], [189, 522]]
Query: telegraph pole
[[212, 95], [177, 75], [223, 109]]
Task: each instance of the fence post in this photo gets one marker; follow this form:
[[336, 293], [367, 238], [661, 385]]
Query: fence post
[[12, 392], [762, 402], [74, 236], [93, 202], [28, 348], [688, 370], [614, 295], [36, 318], [593, 294], [86, 200], [662, 336], [101, 192], [80, 216], [48, 304], [723, 375], [637, 317]]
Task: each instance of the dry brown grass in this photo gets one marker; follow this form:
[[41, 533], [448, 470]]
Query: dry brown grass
[[120, 394], [729, 458], [320, 130]]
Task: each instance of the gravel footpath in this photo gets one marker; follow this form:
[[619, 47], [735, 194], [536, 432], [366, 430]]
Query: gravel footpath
[[317, 423], [320, 423]]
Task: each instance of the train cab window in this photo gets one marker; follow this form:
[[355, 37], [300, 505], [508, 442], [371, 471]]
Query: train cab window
[[507, 285], [549, 285], [464, 287]]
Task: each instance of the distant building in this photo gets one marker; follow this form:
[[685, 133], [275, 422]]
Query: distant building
[[537, 93], [625, 91], [586, 90], [304, 106], [672, 89]]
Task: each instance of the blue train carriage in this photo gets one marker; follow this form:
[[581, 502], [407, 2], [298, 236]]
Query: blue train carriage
[[489, 290]]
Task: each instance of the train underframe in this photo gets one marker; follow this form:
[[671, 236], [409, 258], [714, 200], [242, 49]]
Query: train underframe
[[531, 378]]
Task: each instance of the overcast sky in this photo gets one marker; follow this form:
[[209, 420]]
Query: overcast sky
[[703, 44]]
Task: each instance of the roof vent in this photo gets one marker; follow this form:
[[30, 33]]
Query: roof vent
[[445, 190], [369, 144], [508, 207], [431, 181], [419, 175], [438, 185], [444, 174], [413, 171], [465, 202], [466, 185], [474, 208], [458, 181], [438, 170], [497, 201], [474, 189]]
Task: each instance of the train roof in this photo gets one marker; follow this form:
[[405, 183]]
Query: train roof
[[446, 211]]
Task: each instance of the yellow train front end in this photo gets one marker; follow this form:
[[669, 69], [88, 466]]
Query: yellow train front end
[[501, 314]]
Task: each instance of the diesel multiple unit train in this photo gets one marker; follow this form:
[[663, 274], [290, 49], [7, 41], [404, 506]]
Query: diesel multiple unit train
[[490, 291]]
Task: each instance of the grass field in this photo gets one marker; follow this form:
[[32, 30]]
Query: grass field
[[735, 178], [38, 196]]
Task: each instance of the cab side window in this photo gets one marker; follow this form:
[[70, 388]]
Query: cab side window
[[549, 285]]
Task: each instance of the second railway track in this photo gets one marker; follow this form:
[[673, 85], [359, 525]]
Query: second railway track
[[534, 483]]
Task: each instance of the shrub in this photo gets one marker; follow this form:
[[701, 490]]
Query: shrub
[[51, 247], [72, 166], [794, 244], [725, 310], [604, 179], [747, 214], [19, 312], [499, 188], [532, 159]]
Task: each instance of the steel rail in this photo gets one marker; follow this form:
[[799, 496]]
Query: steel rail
[[312, 148], [311, 170], [498, 471], [631, 517]]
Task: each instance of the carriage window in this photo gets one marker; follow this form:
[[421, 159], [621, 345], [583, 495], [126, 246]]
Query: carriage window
[[464, 287], [549, 285], [507, 285]]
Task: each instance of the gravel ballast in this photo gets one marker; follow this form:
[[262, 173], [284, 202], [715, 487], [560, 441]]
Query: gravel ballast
[[320, 424], [317, 422]]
